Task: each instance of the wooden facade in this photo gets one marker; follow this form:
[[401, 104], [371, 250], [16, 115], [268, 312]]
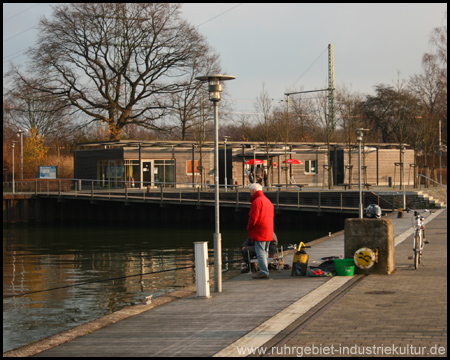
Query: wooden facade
[[380, 166]]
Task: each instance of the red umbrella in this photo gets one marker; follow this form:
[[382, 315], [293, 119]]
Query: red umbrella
[[253, 161], [293, 162]]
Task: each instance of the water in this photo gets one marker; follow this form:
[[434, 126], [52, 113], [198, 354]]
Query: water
[[46, 263]]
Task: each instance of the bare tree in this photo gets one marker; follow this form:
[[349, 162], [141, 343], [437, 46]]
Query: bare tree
[[431, 88], [264, 117], [116, 63], [423, 126], [285, 122], [301, 113], [392, 109], [46, 114], [324, 130], [437, 59], [188, 104], [244, 129], [349, 114]]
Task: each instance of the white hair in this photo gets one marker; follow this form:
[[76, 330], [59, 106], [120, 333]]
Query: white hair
[[255, 186]]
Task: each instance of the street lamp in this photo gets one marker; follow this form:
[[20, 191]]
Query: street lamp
[[359, 137], [440, 153], [402, 150], [225, 138], [13, 144], [20, 133], [215, 88]]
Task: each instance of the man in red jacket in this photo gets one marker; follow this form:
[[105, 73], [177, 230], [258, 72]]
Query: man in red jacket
[[260, 227]]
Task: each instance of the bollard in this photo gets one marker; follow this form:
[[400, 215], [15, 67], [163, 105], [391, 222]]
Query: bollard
[[202, 269]]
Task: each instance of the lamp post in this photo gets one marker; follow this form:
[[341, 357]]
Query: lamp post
[[359, 137], [402, 149], [13, 144], [440, 153], [215, 88], [20, 132], [225, 155], [254, 166]]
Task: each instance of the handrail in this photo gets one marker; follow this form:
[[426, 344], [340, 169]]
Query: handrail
[[431, 180], [199, 195]]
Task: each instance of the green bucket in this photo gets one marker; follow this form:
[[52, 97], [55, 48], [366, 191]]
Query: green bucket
[[344, 267]]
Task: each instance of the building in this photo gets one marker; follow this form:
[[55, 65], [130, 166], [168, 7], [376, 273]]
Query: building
[[186, 164]]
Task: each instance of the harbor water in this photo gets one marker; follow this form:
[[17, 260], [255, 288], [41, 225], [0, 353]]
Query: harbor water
[[58, 277]]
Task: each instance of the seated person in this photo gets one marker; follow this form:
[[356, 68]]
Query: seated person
[[248, 246]]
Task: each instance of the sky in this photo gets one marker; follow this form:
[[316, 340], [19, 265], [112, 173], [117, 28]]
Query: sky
[[284, 46]]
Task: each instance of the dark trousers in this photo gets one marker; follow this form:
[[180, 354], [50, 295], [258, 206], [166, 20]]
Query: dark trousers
[[245, 252]]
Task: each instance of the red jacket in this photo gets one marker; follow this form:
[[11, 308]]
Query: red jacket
[[260, 222]]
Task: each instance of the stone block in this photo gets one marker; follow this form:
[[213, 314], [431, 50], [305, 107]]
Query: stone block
[[375, 234]]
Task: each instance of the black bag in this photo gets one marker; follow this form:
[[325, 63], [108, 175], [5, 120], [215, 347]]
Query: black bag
[[328, 265]]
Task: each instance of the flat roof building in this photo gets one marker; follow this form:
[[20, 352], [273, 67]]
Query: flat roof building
[[187, 164]]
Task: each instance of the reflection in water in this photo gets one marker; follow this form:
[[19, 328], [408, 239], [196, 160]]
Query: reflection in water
[[59, 259]]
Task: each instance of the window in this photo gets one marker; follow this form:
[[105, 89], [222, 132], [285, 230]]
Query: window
[[111, 171], [310, 167], [164, 173], [189, 167], [132, 170]]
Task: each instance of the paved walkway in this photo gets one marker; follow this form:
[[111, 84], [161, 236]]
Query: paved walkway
[[381, 315], [401, 314], [408, 308]]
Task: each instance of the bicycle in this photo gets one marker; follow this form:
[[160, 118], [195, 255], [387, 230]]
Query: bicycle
[[419, 236]]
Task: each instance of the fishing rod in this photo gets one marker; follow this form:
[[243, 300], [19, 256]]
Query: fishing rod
[[115, 278]]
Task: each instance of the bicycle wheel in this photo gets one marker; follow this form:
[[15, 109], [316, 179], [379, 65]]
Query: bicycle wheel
[[421, 245], [417, 241]]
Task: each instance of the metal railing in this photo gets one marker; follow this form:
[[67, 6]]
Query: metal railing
[[200, 194], [429, 179]]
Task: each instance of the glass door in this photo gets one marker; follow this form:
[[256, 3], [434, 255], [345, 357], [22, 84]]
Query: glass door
[[114, 173]]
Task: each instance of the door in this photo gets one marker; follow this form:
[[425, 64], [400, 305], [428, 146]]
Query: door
[[337, 163], [147, 173]]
